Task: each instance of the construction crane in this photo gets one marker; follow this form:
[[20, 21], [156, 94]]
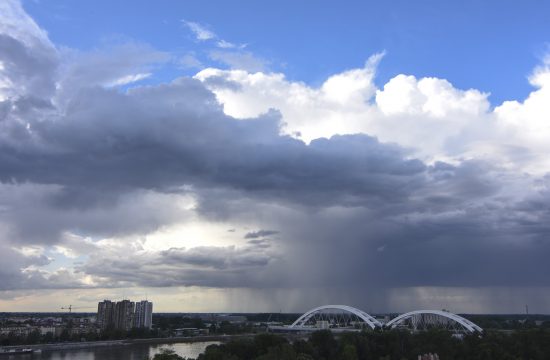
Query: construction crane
[[70, 308]]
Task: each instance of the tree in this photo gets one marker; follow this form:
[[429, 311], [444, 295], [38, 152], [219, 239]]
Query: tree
[[33, 337], [167, 354], [349, 353], [324, 343]]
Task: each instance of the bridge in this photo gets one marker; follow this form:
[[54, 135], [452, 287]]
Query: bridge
[[335, 317], [427, 319], [340, 318]]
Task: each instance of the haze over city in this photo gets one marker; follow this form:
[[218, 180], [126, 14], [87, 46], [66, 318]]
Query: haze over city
[[275, 156]]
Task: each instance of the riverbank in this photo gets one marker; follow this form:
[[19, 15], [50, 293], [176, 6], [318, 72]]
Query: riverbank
[[110, 343]]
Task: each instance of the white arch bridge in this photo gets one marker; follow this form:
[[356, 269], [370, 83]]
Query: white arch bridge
[[347, 318], [427, 319]]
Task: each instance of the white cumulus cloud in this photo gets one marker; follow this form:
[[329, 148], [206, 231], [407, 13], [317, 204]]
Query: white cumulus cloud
[[429, 115]]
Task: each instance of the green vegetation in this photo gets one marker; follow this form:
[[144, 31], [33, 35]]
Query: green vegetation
[[389, 345], [167, 354], [393, 345], [69, 334], [506, 337], [166, 325]]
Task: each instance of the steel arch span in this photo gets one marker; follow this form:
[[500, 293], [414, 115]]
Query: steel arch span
[[335, 315], [424, 319]]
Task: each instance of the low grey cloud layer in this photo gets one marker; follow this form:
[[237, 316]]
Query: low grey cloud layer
[[208, 266], [82, 161], [260, 234]]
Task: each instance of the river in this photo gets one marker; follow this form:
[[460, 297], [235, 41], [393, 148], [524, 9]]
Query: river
[[127, 352]]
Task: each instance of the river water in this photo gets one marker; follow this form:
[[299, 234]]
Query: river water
[[128, 352]]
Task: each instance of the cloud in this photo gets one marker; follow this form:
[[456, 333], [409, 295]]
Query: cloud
[[524, 123], [62, 213], [431, 174], [512, 133], [239, 60], [200, 32], [228, 45], [103, 163], [260, 234], [128, 79], [350, 103], [431, 97], [21, 270], [339, 106], [227, 53], [28, 60], [190, 61], [199, 266], [114, 65], [170, 153]]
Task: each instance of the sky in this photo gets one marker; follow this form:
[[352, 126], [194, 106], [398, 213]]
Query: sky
[[275, 156]]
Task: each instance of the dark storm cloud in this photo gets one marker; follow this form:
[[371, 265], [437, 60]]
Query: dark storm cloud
[[32, 214], [401, 213], [30, 68], [215, 257], [98, 146], [79, 156], [265, 243], [172, 135], [202, 266], [358, 249], [76, 166], [260, 234]]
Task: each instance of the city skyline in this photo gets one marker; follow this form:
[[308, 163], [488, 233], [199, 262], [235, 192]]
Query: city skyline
[[272, 159], [124, 314]]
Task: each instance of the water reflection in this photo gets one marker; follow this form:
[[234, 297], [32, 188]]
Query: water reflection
[[129, 352]]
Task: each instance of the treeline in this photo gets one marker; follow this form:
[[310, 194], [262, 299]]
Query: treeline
[[389, 345], [511, 322], [165, 326], [168, 324], [67, 334]]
